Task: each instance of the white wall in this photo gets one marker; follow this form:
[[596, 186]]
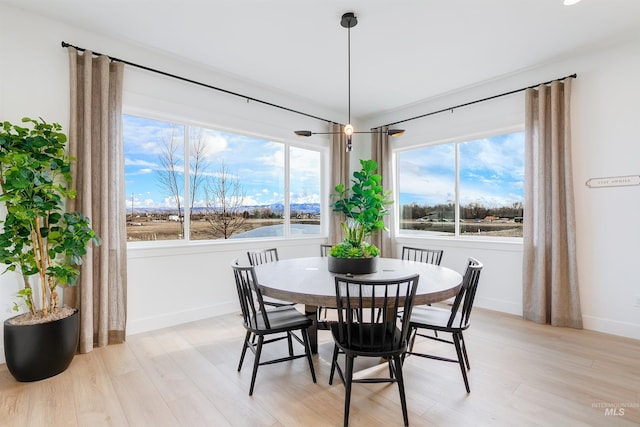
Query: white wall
[[178, 284], [606, 142], [174, 284]]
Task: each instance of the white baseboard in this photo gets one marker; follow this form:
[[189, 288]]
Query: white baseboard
[[502, 306], [613, 327], [137, 326]]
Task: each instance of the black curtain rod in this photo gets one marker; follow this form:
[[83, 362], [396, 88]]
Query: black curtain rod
[[479, 100], [184, 79]]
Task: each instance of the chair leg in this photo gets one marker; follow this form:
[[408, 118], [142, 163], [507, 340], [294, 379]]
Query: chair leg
[[256, 362], [320, 310], [456, 341], [290, 342], [307, 351], [464, 351], [411, 338], [400, 379], [244, 349], [334, 361], [412, 333], [347, 391]]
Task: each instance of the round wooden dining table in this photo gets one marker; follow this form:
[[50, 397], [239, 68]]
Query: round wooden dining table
[[308, 281]]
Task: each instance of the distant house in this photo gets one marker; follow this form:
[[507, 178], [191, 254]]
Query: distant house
[[174, 218]]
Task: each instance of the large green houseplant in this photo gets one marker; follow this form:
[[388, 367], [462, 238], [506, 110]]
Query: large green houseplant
[[364, 206], [38, 238]]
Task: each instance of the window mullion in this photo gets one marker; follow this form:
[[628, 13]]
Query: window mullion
[[456, 213], [187, 183], [287, 191]]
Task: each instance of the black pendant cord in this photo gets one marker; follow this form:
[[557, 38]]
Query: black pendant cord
[[184, 79], [573, 76], [349, 69]]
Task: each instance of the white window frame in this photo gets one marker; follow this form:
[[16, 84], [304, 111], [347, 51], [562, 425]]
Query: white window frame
[[312, 144], [398, 232]]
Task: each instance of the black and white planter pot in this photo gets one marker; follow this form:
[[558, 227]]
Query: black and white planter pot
[[36, 352], [352, 265]]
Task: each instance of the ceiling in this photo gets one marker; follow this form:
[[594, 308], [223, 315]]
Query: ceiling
[[402, 51]]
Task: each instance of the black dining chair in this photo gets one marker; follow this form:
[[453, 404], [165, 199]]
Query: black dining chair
[[262, 323], [454, 321], [430, 256], [360, 332], [264, 256]]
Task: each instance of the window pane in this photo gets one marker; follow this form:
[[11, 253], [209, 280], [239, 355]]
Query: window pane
[[154, 174], [237, 186], [426, 187], [304, 199], [492, 185]]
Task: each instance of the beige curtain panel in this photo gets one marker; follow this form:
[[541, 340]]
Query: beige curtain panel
[[381, 153], [95, 139], [550, 277], [339, 175]]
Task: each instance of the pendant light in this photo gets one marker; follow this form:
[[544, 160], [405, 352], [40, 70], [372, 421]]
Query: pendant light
[[348, 21]]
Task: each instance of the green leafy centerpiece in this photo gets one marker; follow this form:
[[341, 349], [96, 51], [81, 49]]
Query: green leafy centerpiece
[[364, 206]]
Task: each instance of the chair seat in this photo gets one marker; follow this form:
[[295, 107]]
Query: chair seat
[[274, 302], [374, 342], [280, 318], [435, 318]]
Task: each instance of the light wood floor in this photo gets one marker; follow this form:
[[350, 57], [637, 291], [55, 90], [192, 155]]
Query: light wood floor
[[522, 374]]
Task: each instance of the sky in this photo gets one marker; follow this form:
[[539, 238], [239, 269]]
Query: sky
[[491, 169], [257, 164], [491, 172]]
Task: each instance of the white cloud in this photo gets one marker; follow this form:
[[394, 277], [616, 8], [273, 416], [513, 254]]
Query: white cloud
[[128, 161], [214, 143]]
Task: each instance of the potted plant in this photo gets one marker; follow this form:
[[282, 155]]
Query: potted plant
[[364, 206], [43, 243]]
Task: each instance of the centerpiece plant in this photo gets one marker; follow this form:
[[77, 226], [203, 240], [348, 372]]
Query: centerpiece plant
[[38, 237], [364, 206]]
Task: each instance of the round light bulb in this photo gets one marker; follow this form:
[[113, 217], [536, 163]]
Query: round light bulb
[[348, 130]]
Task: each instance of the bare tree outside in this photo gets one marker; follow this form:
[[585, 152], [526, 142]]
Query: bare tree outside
[[198, 164], [224, 202], [171, 173]]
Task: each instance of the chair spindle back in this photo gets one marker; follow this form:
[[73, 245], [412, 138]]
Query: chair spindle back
[[429, 256], [467, 294], [263, 256], [249, 295], [359, 302]]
